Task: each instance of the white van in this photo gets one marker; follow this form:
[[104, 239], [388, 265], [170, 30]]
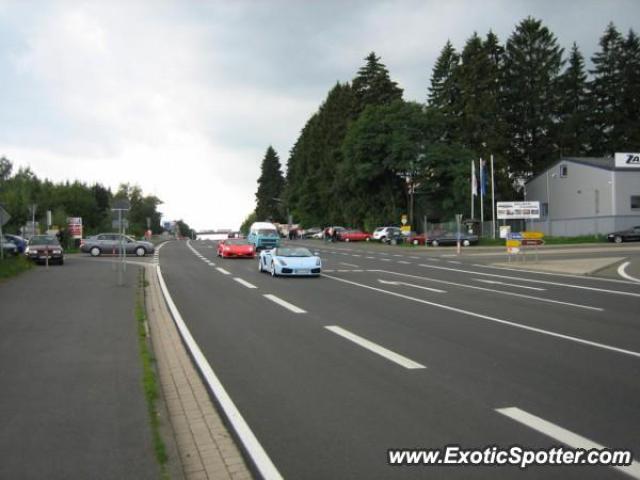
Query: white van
[[263, 235]]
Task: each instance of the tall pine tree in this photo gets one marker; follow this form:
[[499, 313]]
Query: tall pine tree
[[444, 93], [630, 127], [373, 85], [532, 63], [573, 107], [270, 188]]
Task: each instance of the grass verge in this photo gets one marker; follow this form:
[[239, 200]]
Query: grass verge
[[12, 266], [149, 377]]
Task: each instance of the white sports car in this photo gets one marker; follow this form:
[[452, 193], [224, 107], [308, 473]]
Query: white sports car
[[291, 261]]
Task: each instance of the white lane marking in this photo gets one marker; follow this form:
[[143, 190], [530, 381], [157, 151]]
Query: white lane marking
[[348, 264], [396, 255], [375, 348], [499, 292], [553, 274], [244, 282], [531, 280], [562, 435], [385, 260], [284, 303], [495, 282], [433, 259], [404, 262], [390, 282], [415, 258], [448, 255], [355, 255], [251, 444], [454, 261], [371, 258], [623, 274], [494, 319], [223, 271]]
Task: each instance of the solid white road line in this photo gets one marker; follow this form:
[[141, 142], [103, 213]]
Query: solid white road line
[[562, 435], [499, 292], [495, 282], [531, 280], [223, 271], [284, 303], [251, 444], [494, 319], [375, 348], [623, 274], [244, 282], [389, 282]]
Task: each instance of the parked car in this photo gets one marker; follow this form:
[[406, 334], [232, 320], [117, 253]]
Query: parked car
[[8, 247], [18, 241], [290, 261], [448, 238], [109, 243], [311, 232], [236, 248], [630, 235], [386, 234], [417, 238], [354, 236], [41, 248]]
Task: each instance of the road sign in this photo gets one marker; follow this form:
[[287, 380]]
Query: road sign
[[513, 243], [4, 216], [515, 236], [121, 204], [404, 219], [532, 242], [533, 235]]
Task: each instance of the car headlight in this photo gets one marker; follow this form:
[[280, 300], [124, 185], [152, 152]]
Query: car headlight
[[57, 252], [318, 262]]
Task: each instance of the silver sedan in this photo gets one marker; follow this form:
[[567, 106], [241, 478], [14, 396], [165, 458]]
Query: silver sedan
[[110, 243]]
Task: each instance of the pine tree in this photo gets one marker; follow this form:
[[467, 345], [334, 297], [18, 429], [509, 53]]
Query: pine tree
[[373, 85], [573, 107], [630, 127], [607, 93], [532, 63], [270, 188], [444, 93]]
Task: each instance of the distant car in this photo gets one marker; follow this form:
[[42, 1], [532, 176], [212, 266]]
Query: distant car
[[8, 247], [312, 232], [290, 261], [109, 243], [236, 248], [386, 234], [19, 242], [43, 247], [631, 235], [354, 236], [452, 239], [417, 238]]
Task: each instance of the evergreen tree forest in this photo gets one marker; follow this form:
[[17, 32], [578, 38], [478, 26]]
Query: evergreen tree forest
[[22, 189], [366, 152]]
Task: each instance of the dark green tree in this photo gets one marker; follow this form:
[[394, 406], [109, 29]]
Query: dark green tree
[[532, 64], [373, 85], [270, 189], [630, 125], [246, 224], [573, 107]]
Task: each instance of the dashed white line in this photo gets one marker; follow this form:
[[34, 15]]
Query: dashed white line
[[244, 282], [285, 304], [390, 282], [348, 264], [494, 282], [375, 348], [223, 271], [371, 258], [562, 435], [385, 260], [404, 262]]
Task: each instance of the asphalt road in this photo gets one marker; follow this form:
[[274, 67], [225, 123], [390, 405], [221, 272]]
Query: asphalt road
[[472, 340]]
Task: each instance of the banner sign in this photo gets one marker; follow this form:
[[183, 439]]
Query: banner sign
[[74, 225], [517, 210], [627, 160]]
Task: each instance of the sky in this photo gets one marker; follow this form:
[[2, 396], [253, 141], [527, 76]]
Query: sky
[[183, 97]]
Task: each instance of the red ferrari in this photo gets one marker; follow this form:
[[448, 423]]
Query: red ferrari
[[236, 248], [354, 236]]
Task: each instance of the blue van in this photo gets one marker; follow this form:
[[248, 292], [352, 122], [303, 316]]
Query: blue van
[[263, 235]]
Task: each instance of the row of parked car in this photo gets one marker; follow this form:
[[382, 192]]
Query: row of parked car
[[39, 248], [394, 235]]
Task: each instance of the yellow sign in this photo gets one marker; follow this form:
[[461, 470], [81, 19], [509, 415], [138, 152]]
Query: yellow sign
[[513, 243], [532, 235], [405, 228], [513, 250]]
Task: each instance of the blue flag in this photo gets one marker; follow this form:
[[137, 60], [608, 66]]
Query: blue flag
[[484, 184]]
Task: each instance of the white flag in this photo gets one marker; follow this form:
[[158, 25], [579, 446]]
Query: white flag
[[474, 182]]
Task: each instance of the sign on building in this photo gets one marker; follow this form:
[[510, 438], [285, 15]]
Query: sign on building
[[627, 160], [517, 210]]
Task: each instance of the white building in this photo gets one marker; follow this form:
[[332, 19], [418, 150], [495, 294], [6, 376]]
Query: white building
[[583, 196]]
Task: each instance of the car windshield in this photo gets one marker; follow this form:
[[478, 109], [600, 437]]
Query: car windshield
[[293, 252], [238, 241], [267, 232], [44, 240]]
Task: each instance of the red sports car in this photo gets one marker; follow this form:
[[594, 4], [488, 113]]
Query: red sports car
[[354, 236], [236, 247]]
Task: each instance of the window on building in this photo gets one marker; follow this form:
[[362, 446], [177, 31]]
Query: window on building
[[544, 210], [564, 170], [635, 202]]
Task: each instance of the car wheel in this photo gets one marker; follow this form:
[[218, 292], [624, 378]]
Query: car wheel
[[368, 239], [273, 270], [61, 261], [347, 240], [259, 264], [617, 239], [95, 252], [141, 252], [434, 243], [416, 242], [466, 243], [383, 239]]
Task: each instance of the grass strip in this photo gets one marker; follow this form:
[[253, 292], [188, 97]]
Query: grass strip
[[14, 265], [149, 377]]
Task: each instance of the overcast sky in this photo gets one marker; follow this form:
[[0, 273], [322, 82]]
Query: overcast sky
[[183, 97]]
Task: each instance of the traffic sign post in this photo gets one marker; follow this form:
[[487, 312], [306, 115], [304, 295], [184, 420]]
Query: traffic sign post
[[458, 222], [121, 206]]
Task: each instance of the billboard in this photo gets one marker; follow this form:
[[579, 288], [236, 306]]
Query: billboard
[[517, 210], [627, 160], [74, 225]]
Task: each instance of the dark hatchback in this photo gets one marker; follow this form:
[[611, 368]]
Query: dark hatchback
[[631, 235], [41, 248]]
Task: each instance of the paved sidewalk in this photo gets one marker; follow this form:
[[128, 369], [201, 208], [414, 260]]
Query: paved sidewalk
[[206, 448]]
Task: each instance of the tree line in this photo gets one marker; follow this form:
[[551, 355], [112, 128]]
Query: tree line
[[20, 190], [360, 158]]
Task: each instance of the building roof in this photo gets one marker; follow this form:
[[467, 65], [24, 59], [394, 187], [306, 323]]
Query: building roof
[[604, 163]]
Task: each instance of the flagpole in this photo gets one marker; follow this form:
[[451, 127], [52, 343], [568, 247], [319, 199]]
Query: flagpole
[[481, 200], [493, 203], [473, 179]]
